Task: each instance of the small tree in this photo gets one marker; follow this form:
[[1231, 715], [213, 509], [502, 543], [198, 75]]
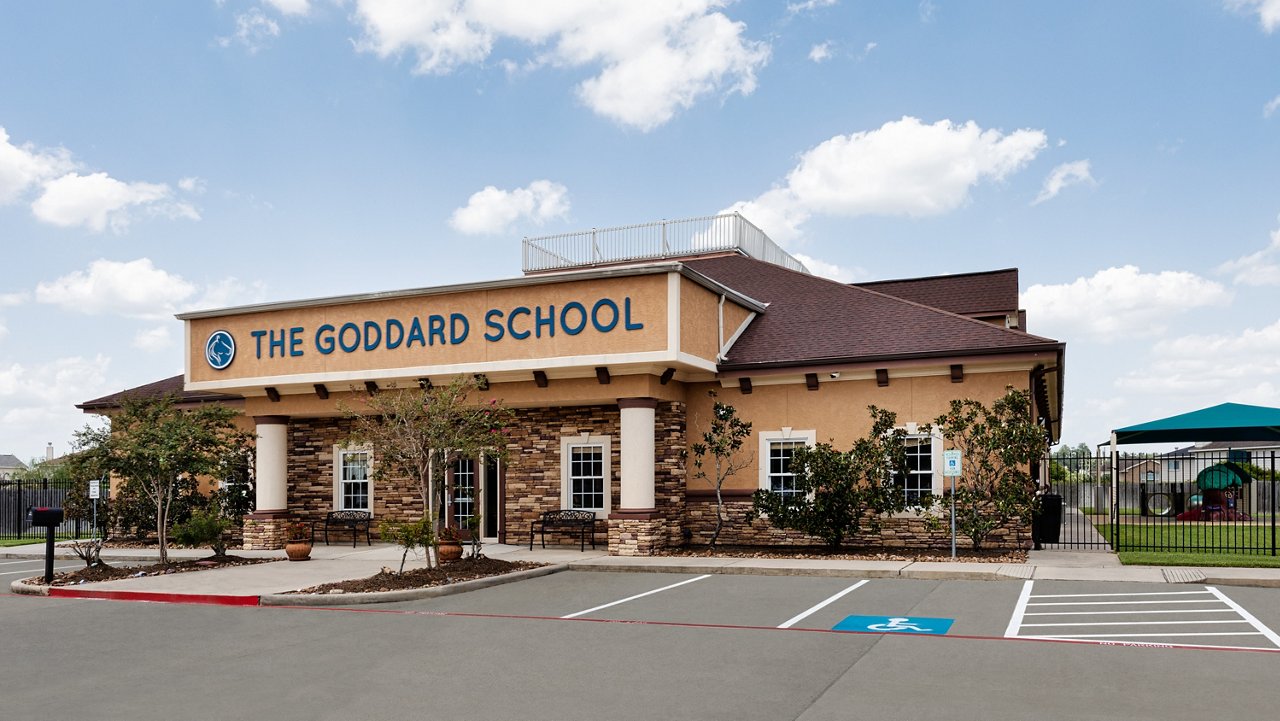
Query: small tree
[[418, 433], [409, 536], [838, 492], [998, 446], [722, 441], [158, 447]]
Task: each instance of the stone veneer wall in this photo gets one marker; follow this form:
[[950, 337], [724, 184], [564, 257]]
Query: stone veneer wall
[[532, 482], [266, 534], [900, 532], [311, 487]]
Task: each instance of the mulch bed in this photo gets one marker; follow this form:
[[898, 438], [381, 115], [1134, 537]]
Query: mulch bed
[[106, 572], [963, 555], [463, 569]]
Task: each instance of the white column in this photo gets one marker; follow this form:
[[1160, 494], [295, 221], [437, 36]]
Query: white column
[[272, 463], [637, 453]]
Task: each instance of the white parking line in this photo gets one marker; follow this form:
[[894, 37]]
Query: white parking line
[[1015, 621], [36, 571], [814, 609], [1271, 635], [1213, 601], [638, 595]]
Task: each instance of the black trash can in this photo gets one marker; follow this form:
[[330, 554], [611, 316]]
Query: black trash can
[[1046, 525]]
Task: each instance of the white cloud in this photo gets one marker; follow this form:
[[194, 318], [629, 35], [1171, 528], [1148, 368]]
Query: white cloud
[[8, 300], [37, 401], [153, 340], [866, 50], [1270, 108], [1063, 176], [820, 52], [291, 7], [830, 270], [1244, 367], [654, 58], [224, 294], [253, 30], [927, 11], [493, 210], [1268, 11], [23, 167], [904, 167], [809, 5], [1117, 303], [1260, 268], [193, 185], [135, 288], [97, 201]]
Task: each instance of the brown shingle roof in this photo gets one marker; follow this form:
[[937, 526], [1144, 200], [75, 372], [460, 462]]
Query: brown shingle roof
[[168, 386], [994, 291], [811, 320]]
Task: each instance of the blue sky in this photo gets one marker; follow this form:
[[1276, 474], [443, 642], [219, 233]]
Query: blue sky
[[160, 156]]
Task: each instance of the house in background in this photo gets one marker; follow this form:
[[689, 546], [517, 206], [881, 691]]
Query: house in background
[[10, 466]]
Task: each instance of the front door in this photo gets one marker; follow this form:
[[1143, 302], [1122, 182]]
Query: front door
[[491, 497], [476, 487]]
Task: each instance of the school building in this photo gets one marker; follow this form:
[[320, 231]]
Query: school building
[[606, 347]]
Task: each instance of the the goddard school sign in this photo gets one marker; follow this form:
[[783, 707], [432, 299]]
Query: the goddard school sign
[[438, 329]]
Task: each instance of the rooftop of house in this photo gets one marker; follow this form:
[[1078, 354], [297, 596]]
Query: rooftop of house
[[11, 461], [169, 386]]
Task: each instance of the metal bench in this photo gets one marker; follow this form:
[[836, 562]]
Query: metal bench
[[354, 521], [584, 522]]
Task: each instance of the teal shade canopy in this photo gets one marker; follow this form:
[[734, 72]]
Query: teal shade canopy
[[1224, 422]]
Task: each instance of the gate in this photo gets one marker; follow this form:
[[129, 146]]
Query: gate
[[1220, 501], [18, 497]]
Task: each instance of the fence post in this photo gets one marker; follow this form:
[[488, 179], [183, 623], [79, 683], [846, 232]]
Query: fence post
[[1273, 503]]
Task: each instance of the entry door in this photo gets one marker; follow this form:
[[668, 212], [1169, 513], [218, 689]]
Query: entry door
[[490, 498], [462, 484]]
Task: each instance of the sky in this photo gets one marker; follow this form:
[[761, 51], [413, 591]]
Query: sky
[[161, 156]]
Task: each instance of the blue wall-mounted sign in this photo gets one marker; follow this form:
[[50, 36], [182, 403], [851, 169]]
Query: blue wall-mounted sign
[[604, 315], [895, 624], [220, 349]]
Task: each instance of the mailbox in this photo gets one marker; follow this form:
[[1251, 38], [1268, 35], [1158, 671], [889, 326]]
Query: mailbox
[[47, 517]]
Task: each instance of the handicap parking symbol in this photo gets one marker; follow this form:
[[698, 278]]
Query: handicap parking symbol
[[895, 624]]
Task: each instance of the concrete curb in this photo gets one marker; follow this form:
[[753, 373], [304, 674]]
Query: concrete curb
[[21, 588], [414, 594]]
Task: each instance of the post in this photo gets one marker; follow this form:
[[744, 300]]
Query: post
[[1273, 503], [1115, 495], [953, 518], [48, 555]]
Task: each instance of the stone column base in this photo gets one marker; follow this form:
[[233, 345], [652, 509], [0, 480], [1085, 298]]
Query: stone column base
[[265, 531], [636, 536]]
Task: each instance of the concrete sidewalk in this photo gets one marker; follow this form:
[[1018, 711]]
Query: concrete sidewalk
[[337, 563]]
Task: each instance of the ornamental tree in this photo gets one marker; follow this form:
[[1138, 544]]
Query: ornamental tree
[[998, 446], [841, 492], [158, 448], [418, 433], [722, 442]]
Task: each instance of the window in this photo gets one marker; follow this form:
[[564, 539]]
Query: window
[[776, 451], [918, 481], [352, 491], [585, 473], [464, 491]]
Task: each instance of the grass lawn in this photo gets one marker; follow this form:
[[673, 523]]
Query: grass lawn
[[1240, 560], [1227, 537], [10, 542]]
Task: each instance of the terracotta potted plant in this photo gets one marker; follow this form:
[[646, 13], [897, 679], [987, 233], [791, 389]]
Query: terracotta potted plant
[[297, 545], [448, 547]]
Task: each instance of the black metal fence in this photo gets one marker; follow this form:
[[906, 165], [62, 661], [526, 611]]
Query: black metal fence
[[1206, 501], [18, 497]]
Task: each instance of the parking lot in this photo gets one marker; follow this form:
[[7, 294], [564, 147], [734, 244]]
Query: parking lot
[[644, 645]]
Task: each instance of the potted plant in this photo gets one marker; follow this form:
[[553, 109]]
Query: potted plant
[[297, 545], [448, 548]]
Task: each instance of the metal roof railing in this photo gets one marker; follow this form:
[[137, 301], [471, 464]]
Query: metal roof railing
[[654, 241]]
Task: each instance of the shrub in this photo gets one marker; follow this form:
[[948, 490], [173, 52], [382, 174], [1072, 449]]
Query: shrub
[[204, 528]]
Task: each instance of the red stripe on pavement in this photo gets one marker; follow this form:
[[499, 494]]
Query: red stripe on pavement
[[206, 599]]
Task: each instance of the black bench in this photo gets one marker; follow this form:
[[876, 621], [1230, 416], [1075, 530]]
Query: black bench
[[582, 521], [354, 521]]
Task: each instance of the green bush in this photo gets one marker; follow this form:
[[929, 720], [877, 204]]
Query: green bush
[[205, 527], [410, 536]]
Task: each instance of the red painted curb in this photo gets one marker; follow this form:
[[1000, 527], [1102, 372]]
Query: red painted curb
[[206, 599]]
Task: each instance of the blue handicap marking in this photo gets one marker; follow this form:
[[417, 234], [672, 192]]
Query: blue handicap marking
[[895, 624]]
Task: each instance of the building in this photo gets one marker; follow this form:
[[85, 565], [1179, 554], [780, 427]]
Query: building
[[607, 347], [10, 466]]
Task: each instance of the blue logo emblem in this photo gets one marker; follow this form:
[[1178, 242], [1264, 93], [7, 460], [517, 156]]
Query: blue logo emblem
[[895, 624], [220, 349]]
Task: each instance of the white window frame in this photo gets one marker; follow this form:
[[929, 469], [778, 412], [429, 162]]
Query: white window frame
[[567, 444], [474, 498], [338, 453], [938, 484], [784, 435]]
